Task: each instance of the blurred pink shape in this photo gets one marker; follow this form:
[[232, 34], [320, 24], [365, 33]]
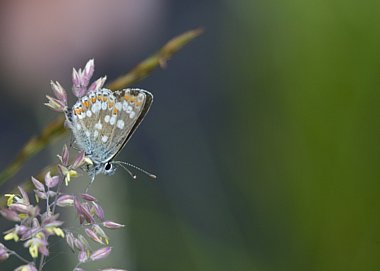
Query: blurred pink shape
[[44, 39]]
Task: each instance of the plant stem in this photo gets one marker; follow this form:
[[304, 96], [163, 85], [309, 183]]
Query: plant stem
[[11, 252]]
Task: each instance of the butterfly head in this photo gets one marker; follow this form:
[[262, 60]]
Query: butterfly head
[[109, 168], [106, 168]]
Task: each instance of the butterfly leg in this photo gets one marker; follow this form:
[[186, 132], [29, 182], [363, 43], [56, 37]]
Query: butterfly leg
[[92, 176], [72, 141]]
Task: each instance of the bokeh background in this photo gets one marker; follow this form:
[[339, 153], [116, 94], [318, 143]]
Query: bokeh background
[[264, 131]]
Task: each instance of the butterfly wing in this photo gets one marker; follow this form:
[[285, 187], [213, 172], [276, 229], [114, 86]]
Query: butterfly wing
[[103, 121], [140, 101]]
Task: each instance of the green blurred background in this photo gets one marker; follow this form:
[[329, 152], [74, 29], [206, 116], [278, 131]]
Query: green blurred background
[[264, 130]]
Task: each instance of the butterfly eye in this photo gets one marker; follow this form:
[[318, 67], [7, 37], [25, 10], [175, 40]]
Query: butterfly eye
[[108, 167]]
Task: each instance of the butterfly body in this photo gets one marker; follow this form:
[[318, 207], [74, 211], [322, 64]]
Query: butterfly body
[[103, 121]]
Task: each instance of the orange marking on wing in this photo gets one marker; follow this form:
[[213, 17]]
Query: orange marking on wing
[[93, 100], [100, 97], [110, 104], [86, 104], [132, 99], [115, 111], [127, 97], [104, 99]]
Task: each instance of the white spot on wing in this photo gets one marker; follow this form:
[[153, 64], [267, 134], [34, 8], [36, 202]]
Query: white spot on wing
[[88, 113], [140, 97], [96, 107], [120, 124], [96, 133], [104, 139], [132, 114], [125, 105], [113, 120], [99, 104], [98, 125], [107, 118], [118, 106]]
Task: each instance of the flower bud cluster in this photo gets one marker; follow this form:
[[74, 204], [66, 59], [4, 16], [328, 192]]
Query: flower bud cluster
[[36, 221], [81, 86], [32, 228], [91, 217]]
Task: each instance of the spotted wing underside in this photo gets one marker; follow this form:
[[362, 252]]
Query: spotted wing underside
[[104, 121]]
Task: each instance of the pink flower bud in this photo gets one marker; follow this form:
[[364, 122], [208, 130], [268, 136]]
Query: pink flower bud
[[48, 218], [55, 223], [51, 194], [29, 233], [93, 236], [88, 71], [3, 252], [77, 205], [38, 185], [84, 242], [112, 225], [65, 200], [100, 253], [59, 91], [76, 78], [99, 231], [51, 181], [98, 211], [10, 215], [78, 244], [65, 155], [41, 195], [20, 208], [81, 78], [21, 229], [55, 104], [79, 160], [24, 195], [98, 84], [86, 214], [82, 256], [43, 250], [88, 197], [70, 240]]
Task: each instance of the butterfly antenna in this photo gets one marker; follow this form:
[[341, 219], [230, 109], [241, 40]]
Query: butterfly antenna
[[127, 170], [121, 163]]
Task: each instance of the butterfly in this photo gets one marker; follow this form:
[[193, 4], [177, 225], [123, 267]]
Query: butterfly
[[103, 121]]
